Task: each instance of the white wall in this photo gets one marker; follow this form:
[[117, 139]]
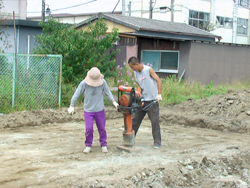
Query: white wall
[[223, 8], [241, 40], [225, 33], [19, 6]]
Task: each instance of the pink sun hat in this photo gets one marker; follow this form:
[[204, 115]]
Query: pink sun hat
[[94, 77]]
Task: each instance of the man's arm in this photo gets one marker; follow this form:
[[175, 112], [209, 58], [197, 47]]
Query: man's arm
[[138, 88], [157, 79]]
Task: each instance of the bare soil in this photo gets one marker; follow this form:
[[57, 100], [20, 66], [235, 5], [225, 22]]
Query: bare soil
[[205, 143]]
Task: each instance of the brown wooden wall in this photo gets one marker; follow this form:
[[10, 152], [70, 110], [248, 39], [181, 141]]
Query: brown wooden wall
[[155, 44]]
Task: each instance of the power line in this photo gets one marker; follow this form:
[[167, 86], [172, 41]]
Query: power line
[[75, 5], [115, 6], [68, 7]]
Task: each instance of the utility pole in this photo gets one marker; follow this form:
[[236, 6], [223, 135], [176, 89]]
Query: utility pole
[[172, 10], [150, 9], [129, 8], [248, 30], [123, 7], [212, 13], [235, 15], [141, 8], [43, 10]]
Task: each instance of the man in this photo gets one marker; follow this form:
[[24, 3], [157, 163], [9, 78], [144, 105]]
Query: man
[[149, 85]]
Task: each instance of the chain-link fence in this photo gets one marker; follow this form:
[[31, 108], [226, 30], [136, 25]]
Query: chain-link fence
[[30, 81]]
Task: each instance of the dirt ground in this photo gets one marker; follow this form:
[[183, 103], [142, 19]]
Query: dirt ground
[[205, 143]]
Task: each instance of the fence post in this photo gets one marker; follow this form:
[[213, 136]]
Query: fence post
[[60, 80], [14, 80]]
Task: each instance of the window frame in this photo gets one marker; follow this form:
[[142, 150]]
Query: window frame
[[223, 19], [243, 3], [159, 63], [205, 19], [239, 24]]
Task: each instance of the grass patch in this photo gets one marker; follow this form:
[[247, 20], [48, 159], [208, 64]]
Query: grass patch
[[173, 92]]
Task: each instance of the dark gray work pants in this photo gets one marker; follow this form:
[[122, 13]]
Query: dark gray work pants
[[153, 114]]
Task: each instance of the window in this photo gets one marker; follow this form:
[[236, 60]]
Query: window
[[162, 61], [224, 22], [126, 41], [242, 26], [199, 19], [243, 3]]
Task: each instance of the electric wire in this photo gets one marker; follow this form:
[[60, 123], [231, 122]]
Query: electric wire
[[115, 6], [68, 7]]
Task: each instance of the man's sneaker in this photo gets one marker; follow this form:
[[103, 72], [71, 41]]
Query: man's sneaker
[[157, 146], [104, 149], [87, 149]]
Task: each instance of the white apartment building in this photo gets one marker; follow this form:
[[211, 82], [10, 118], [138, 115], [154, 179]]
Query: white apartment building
[[226, 18], [17, 6]]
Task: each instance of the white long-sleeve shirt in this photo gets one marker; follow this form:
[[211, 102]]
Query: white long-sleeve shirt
[[93, 96]]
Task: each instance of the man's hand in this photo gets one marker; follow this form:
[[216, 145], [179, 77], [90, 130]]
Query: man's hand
[[115, 104], [159, 98], [71, 110]]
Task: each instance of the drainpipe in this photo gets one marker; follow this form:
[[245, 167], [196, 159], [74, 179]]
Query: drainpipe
[[28, 38], [18, 39], [235, 15], [28, 51]]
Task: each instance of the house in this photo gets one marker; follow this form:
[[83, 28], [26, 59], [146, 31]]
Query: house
[[13, 21], [177, 48], [226, 18], [25, 32]]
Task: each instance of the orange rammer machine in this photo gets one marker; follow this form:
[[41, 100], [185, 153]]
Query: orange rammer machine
[[129, 100]]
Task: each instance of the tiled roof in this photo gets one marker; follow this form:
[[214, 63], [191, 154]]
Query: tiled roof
[[20, 22], [144, 24]]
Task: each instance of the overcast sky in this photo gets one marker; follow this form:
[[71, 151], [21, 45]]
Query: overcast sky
[[34, 7]]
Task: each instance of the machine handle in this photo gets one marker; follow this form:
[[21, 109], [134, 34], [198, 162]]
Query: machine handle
[[128, 89], [124, 88]]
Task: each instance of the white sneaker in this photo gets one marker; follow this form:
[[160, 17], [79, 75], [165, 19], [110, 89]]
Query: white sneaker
[[157, 146], [87, 149], [104, 149]]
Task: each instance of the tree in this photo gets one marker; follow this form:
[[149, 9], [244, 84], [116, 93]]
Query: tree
[[3, 35], [80, 50]]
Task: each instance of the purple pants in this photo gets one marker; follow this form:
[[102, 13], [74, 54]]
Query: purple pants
[[100, 120]]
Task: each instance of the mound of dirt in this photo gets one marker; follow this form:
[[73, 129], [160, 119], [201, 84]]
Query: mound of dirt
[[40, 117], [228, 112]]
